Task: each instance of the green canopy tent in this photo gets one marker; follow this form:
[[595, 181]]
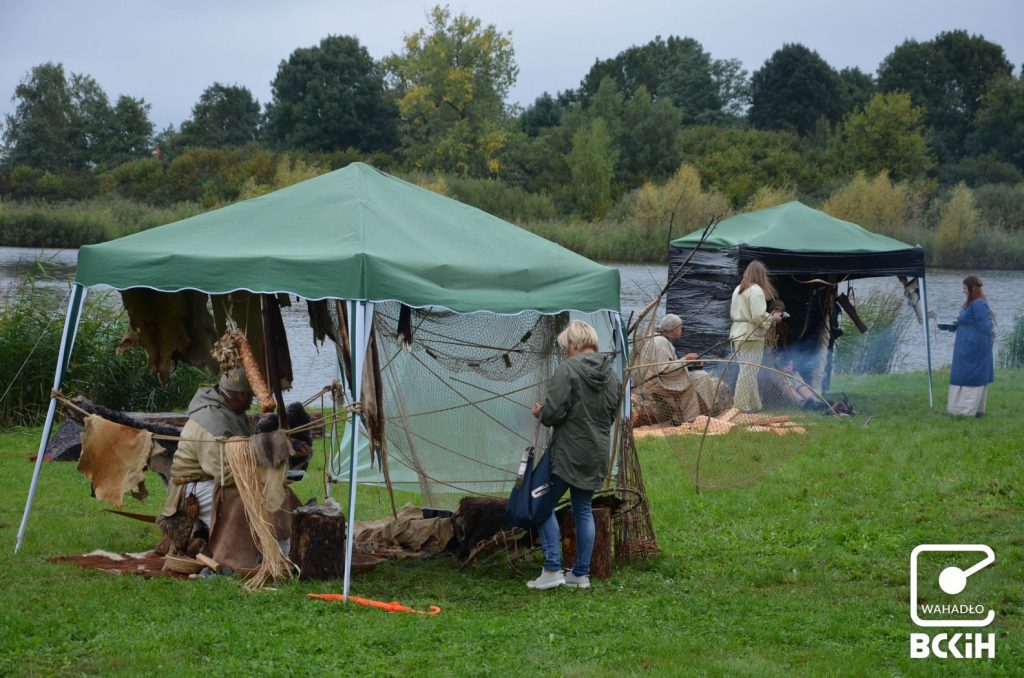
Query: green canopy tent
[[382, 248], [799, 245]]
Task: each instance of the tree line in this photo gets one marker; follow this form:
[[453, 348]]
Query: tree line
[[944, 111]]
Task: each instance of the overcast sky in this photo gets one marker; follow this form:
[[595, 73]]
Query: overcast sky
[[168, 52]]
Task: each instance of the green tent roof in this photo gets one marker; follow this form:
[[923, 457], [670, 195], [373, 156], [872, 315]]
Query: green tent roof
[[357, 233], [795, 227]]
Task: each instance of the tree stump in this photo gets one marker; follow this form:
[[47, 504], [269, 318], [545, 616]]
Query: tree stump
[[601, 560], [318, 543]]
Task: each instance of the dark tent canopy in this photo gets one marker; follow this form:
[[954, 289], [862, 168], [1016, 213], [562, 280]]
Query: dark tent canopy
[[803, 249]]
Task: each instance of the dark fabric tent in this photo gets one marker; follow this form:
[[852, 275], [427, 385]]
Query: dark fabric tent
[[799, 245]]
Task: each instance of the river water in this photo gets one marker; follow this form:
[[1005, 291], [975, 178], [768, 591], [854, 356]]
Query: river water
[[314, 367]]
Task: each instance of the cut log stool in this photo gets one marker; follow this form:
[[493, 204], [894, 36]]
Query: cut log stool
[[601, 560], [318, 544]]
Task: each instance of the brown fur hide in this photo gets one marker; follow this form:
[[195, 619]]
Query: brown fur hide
[[169, 326], [114, 458]]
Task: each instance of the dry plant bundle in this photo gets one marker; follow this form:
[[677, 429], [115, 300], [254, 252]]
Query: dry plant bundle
[[244, 468], [233, 350]]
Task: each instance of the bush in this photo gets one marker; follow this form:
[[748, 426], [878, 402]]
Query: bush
[[142, 180], [958, 228], [767, 196], [69, 225], [877, 204], [681, 201], [31, 321], [1001, 205], [498, 198]]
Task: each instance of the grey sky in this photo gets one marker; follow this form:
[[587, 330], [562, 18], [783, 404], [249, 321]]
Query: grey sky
[[168, 52]]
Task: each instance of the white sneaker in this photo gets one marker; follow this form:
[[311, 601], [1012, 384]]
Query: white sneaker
[[574, 582], [547, 580]]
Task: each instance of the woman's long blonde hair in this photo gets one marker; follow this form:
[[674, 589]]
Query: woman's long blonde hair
[[757, 274]]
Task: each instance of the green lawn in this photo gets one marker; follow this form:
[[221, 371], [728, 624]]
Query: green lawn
[[803, 571]]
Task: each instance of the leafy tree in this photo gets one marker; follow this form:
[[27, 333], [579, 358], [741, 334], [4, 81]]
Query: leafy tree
[[857, 88], [793, 90], [678, 69], [733, 87], [224, 116], [886, 135], [592, 164], [947, 77], [330, 97], [608, 104], [65, 122], [647, 141], [130, 133], [999, 124], [738, 162], [451, 82], [545, 111]]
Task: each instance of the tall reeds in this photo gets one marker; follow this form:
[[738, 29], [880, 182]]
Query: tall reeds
[[1011, 352], [69, 225], [878, 350], [31, 321]]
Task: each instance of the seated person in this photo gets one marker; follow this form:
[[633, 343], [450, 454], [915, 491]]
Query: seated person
[[201, 498], [795, 388], [670, 391]]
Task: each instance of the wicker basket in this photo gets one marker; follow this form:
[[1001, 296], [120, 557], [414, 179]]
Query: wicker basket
[[182, 564], [364, 562]]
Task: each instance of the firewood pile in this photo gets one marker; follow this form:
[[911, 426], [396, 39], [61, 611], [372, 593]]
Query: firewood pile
[[724, 423]]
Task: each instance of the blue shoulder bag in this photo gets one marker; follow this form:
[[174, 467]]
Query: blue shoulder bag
[[530, 502]]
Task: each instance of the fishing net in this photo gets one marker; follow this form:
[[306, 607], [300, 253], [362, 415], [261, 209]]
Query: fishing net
[[455, 396]]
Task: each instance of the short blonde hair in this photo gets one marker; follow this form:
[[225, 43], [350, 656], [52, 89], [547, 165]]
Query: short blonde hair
[[579, 334]]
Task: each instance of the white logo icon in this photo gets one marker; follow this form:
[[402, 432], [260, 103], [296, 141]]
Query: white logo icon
[[952, 580]]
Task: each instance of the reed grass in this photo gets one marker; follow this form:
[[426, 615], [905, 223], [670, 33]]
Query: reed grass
[[31, 322], [73, 224], [878, 350], [1011, 353]]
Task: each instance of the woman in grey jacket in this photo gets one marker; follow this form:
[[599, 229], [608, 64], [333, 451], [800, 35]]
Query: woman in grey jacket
[[580, 404]]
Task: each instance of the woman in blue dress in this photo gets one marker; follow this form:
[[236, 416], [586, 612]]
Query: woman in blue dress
[[972, 369]]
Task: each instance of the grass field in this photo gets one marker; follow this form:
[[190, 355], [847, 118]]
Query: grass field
[[803, 571]]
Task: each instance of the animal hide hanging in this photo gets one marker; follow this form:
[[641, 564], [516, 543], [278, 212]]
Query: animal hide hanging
[[114, 458], [169, 326]]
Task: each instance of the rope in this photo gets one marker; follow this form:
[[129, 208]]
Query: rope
[[352, 407]]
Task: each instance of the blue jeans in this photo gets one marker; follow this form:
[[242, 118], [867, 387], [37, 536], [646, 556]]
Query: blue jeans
[[550, 537]]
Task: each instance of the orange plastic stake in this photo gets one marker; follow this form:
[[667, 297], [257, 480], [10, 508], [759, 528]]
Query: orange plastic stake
[[393, 606]]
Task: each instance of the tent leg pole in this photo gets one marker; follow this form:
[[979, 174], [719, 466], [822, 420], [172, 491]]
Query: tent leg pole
[[67, 340], [356, 329], [350, 531], [927, 342]]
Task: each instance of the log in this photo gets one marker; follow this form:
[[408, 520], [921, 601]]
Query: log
[[477, 520], [601, 559], [318, 543], [124, 418], [66, 444]]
